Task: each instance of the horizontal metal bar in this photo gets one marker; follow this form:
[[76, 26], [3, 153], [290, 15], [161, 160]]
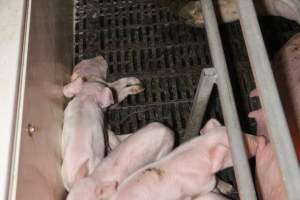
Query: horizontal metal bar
[[240, 161], [204, 89], [276, 121]]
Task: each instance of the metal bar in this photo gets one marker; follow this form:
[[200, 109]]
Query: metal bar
[[276, 121], [204, 89], [240, 161]]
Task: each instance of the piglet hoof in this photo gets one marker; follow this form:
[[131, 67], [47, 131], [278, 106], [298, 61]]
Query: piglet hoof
[[130, 90], [225, 188], [135, 89]]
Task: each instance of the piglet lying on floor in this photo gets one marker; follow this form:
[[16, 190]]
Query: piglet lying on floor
[[187, 172], [83, 137], [141, 148]]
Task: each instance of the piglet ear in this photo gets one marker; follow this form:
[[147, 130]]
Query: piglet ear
[[106, 98], [73, 88], [104, 191], [220, 157], [212, 123], [75, 76]]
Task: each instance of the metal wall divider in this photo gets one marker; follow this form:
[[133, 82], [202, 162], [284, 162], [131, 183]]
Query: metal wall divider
[[276, 121]]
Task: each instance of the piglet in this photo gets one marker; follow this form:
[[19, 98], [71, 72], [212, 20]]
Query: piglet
[[188, 171], [84, 138], [83, 144], [141, 148]]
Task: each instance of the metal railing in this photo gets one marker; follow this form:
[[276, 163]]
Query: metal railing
[[271, 104]]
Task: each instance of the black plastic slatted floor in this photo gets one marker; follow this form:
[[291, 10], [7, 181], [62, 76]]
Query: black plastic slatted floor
[[140, 38]]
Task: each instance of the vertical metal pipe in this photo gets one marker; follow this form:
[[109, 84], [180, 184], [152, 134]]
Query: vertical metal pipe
[[240, 161], [204, 89], [276, 121]]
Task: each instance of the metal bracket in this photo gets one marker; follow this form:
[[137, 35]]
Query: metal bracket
[[204, 89]]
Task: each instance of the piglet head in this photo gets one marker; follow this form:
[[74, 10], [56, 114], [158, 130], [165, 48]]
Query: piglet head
[[219, 149], [90, 189], [91, 68]]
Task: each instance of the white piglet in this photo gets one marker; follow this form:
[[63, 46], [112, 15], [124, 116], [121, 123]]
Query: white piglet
[[188, 171], [83, 145], [84, 130], [147, 145]]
